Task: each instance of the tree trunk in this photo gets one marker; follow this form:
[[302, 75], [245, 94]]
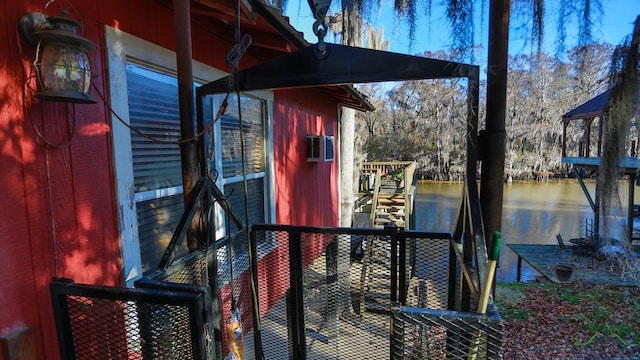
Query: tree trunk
[[347, 135], [351, 35], [347, 141]]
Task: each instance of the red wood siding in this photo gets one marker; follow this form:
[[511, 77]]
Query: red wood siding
[[18, 300], [58, 215], [306, 192]]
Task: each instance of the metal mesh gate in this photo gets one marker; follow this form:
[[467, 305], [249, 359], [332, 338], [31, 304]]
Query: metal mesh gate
[[310, 291], [431, 271], [308, 294], [96, 322]]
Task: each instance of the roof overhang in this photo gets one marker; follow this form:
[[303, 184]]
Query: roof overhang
[[272, 35]]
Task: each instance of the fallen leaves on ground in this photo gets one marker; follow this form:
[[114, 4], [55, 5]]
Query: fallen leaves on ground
[[569, 321]]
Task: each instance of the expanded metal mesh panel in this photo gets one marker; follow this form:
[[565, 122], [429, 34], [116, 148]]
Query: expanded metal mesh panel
[[375, 274], [234, 281], [313, 289], [116, 323], [429, 272], [191, 271], [324, 314], [165, 331], [436, 334], [273, 274], [100, 331], [333, 328], [233, 278]]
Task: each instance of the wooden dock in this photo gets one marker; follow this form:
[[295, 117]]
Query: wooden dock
[[586, 269]]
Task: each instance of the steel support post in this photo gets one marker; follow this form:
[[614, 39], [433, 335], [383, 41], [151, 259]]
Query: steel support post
[[492, 177]]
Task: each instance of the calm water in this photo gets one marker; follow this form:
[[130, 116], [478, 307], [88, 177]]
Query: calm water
[[533, 213]]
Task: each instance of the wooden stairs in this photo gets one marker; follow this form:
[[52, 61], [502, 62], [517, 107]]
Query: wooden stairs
[[390, 206]]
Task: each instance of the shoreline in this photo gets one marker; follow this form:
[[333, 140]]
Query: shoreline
[[523, 181]]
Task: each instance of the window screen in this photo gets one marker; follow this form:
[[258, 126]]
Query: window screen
[[154, 110], [253, 116]]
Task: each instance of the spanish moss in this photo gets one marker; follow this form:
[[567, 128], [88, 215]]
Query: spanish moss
[[623, 106], [407, 9], [428, 10], [561, 29], [538, 29], [591, 11], [460, 16]]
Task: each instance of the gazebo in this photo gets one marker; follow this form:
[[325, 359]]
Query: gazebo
[[580, 155]]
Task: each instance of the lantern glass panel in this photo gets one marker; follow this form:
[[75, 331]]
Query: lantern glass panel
[[64, 69]]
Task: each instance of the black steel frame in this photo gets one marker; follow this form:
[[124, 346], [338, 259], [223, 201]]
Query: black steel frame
[[340, 65], [62, 289], [204, 302], [399, 262], [459, 325]]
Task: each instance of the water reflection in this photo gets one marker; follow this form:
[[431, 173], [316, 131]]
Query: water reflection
[[533, 213]]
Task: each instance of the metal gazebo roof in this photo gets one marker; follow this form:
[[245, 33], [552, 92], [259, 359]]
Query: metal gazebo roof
[[591, 108]]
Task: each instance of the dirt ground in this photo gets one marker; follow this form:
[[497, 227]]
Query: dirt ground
[[569, 321]]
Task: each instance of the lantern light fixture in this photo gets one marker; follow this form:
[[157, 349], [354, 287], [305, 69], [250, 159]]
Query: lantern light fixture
[[62, 66]]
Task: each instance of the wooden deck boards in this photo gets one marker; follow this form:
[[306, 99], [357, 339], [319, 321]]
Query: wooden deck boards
[[586, 269]]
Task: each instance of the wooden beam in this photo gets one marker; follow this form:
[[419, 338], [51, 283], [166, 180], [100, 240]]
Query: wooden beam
[[228, 8]]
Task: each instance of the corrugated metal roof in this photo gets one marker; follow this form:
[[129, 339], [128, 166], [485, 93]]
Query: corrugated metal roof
[[593, 107]]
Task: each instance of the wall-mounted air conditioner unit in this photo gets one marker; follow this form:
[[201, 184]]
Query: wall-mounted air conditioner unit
[[320, 148], [314, 148]]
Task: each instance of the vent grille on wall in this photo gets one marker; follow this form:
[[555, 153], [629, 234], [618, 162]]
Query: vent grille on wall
[[328, 148]]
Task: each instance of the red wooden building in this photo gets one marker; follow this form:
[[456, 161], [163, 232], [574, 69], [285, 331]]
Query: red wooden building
[[87, 198]]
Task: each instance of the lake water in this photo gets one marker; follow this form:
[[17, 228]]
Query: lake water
[[533, 213]]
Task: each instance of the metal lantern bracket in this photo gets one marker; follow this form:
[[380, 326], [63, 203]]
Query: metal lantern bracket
[[29, 24]]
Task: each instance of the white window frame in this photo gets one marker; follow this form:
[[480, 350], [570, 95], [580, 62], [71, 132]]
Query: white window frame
[[122, 48]]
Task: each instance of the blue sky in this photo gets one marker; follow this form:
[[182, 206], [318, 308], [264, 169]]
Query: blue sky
[[617, 22]]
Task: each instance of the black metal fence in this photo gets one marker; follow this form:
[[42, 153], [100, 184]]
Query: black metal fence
[[301, 293]]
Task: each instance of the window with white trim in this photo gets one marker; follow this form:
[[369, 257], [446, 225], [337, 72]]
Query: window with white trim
[[157, 170], [144, 94]]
